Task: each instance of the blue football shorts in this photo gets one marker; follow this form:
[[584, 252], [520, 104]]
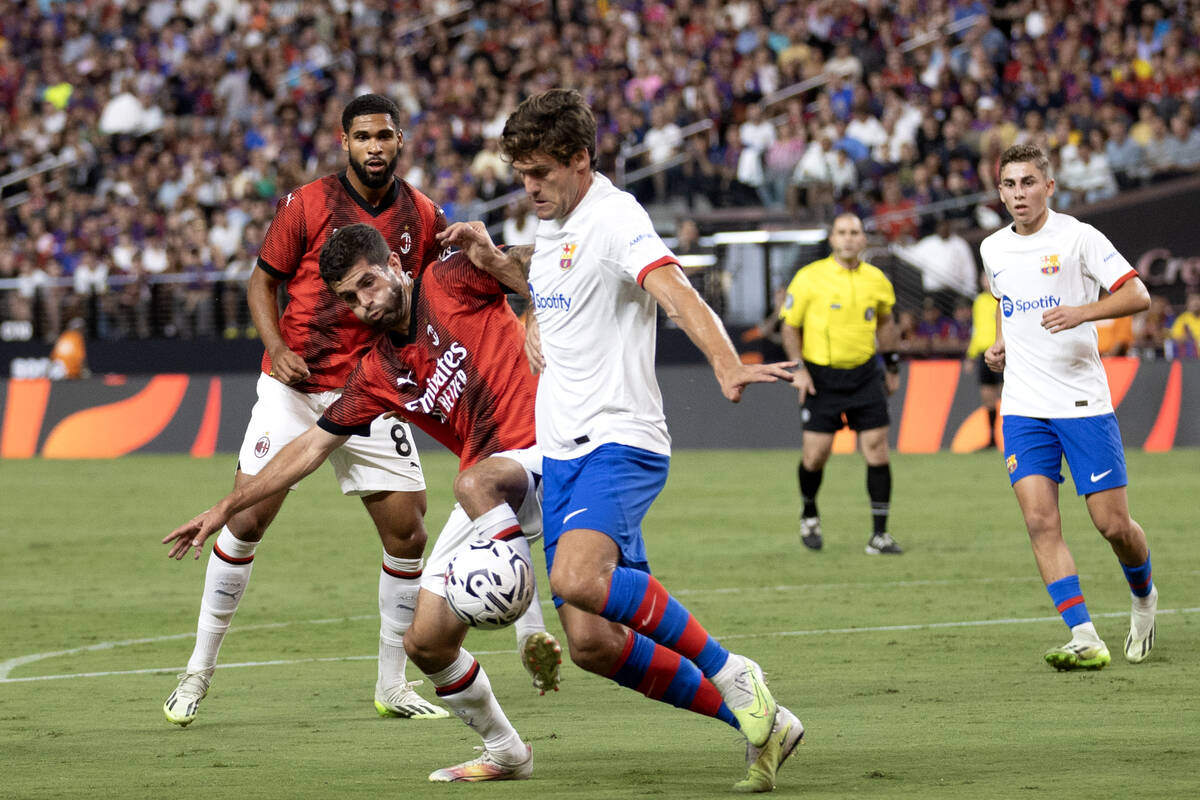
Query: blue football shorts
[[608, 490], [1091, 445]]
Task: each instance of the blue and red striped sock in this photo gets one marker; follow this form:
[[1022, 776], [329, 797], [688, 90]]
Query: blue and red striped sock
[[664, 675], [1068, 599], [638, 600], [1140, 581]]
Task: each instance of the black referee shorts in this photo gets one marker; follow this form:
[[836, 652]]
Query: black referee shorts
[[856, 397], [986, 376]]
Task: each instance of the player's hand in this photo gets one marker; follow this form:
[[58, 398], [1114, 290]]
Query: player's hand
[[803, 383], [1061, 318], [994, 356], [473, 239], [287, 366], [533, 344], [194, 532], [891, 382], [734, 381]]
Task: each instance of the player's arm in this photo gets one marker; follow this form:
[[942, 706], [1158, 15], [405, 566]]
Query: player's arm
[[887, 340], [262, 292], [1130, 297], [994, 355], [509, 267], [685, 308], [792, 340], [301, 457]]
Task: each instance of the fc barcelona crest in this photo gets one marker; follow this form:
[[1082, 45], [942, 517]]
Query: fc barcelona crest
[[1050, 264], [566, 256]]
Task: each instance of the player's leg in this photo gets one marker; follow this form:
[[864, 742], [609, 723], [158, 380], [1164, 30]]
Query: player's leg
[[817, 445], [874, 445], [1097, 459], [599, 566], [630, 659], [384, 470], [1033, 454], [434, 643], [866, 412], [502, 496], [279, 415]]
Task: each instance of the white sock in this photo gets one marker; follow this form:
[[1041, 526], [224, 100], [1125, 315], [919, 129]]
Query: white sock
[[399, 584], [1086, 631], [531, 621], [498, 521], [728, 673], [473, 702], [224, 584]]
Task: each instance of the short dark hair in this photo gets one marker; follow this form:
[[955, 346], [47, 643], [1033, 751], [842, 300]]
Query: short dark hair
[[1025, 153], [346, 246], [557, 122], [366, 104]]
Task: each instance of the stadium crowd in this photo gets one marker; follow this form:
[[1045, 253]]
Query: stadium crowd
[[175, 125]]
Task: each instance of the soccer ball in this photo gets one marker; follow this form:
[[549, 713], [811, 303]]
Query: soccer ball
[[489, 584]]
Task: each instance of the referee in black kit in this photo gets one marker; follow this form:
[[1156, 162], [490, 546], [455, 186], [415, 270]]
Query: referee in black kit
[[836, 309]]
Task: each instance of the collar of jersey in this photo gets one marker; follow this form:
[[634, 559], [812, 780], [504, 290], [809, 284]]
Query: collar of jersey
[[362, 203]]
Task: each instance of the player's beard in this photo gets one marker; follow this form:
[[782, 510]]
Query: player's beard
[[375, 181]]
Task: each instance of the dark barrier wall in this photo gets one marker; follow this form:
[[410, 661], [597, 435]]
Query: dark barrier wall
[[1157, 232], [937, 408]]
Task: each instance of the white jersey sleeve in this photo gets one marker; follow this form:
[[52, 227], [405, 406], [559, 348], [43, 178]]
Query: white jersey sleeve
[[1067, 262]]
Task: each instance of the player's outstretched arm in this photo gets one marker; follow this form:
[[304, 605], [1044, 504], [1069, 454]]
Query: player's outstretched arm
[[262, 292], [510, 267], [1130, 298], [301, 457], [687, 310]]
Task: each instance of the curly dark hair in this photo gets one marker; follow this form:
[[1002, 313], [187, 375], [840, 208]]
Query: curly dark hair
[[1025, 153], [346, 246], [557, 122], [366, 104]]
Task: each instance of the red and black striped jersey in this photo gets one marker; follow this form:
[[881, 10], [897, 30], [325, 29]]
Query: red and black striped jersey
[[460, 374], [316, 323]]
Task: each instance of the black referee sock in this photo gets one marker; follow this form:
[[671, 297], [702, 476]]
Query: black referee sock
[[879, 490], [810, 483]]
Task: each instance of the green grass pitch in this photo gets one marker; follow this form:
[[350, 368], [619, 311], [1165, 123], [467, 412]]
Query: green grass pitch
[[917, 677]]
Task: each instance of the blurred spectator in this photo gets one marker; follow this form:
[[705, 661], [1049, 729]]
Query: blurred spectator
[[520, 223], [1152, 329], [1085, 177], [947, 264], [1126, 157], [896, 217], [1185, 331]]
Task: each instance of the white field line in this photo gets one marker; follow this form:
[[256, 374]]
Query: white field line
[[7, 666]]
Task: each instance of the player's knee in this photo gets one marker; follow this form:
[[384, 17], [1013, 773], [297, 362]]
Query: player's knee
[[1042, 523], [1116, 527], [576, 587], [592, 655], [424, 650]]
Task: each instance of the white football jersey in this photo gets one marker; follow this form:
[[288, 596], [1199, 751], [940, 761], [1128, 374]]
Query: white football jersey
[[598, 326], [1067, 262]]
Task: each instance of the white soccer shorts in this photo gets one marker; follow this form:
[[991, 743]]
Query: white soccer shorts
[[385, 461]]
